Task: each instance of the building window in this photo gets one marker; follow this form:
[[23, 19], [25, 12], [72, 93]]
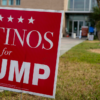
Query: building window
[[17, 2], [11, 2], [87, 5], [70, 5], [4, 2], [81, 5]]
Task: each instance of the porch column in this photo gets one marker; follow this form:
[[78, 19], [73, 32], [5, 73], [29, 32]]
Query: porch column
[[90, 4]]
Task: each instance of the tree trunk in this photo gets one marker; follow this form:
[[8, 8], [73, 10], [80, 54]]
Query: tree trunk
[[99, 35]]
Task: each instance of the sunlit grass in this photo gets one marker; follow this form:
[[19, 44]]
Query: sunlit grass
[[78, 76]]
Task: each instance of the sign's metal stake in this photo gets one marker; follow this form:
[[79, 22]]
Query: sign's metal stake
[[21, 96]]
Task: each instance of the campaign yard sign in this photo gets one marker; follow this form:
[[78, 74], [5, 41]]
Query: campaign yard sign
[[29, 50]]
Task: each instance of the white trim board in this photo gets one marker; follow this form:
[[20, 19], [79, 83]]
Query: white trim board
[[29, 9]]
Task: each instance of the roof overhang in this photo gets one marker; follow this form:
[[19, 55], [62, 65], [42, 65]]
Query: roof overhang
[[80, 12]]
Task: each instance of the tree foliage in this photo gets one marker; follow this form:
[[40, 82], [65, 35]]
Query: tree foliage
[[95, 16], [98, 2]]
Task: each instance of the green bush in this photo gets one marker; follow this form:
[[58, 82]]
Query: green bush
[[95, 37]]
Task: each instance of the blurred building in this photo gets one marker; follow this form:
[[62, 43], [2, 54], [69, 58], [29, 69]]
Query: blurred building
[[76, 12]]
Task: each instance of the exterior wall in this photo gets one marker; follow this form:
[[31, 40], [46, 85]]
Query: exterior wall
[[38, 4], [65, 5], [64, 26], [64, 20]]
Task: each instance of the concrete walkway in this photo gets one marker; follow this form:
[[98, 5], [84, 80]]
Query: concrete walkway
[[67, 43]]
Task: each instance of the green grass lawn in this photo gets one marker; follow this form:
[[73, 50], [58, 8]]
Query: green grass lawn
[[78, 76]]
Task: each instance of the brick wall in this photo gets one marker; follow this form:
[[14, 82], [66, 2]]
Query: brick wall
[[39, 4]]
